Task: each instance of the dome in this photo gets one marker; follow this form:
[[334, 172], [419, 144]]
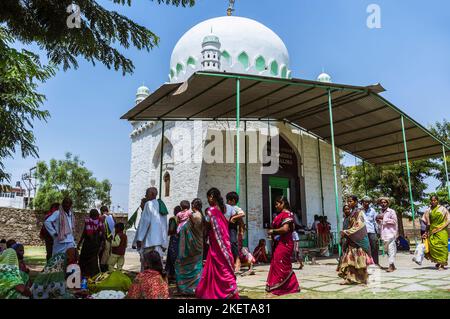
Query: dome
[[141, 93], [246, 46], [324, 77]]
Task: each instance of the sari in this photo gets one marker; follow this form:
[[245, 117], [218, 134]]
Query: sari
[[189, 264], [438, 219], [282, 279], [172, 251], [10, 276], [356, 249], [149, 284], [93, 236], [51, 282], [218, 280]]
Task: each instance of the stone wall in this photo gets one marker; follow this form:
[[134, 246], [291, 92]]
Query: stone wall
[[24, 225]]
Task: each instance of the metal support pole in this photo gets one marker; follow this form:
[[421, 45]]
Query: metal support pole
[[336, 195], [409, 179], [246, 184], [365, 179], [320, 177], [446, 171], [161, 160], [238, 119]]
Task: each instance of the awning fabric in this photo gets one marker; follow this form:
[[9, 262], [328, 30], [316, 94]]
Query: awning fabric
[[365, 124]]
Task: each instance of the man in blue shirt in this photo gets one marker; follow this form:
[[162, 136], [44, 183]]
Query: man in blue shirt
[[372, 228]]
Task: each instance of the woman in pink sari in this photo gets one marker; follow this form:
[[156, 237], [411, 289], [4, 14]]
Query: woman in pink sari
[[281, 279], [218, 280]]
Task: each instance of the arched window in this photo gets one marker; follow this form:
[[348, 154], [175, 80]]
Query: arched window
[[166, 184], [243, 59]]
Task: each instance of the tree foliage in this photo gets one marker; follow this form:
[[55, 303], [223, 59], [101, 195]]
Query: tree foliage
[[44, 22], [69, 178], [20, 73]]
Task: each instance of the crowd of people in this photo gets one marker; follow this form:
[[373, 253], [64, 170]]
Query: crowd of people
[[363, 227], [205, 249]]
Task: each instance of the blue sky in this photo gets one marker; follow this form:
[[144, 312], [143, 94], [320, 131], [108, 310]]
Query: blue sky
[[409, 55]]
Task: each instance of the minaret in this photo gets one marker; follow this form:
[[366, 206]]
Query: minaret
[[324, 77], [141, 93], [211, 53]]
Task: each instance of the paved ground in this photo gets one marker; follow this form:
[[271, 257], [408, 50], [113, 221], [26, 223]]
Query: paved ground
[[320, 280]]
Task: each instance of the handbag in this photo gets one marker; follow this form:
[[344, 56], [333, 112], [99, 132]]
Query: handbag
[[427, 246]]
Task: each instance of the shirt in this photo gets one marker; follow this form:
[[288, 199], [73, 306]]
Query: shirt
[[230, 212], [52, 226], [389, 225], [152, 228], [369, 219], [119, 244]]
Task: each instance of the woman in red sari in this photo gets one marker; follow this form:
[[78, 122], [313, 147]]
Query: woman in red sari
[[218, 280], [281, 279]]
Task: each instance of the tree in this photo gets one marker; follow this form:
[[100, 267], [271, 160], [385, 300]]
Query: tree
[[69, 178], [442, 131], [44, 22]]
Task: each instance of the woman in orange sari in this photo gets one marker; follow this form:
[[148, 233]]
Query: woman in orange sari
[[281, 279]]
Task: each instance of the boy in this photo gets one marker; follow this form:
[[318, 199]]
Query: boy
[[119, 245], [234, 214]]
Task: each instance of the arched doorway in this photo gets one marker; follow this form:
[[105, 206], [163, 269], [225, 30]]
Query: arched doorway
[[286, 182]]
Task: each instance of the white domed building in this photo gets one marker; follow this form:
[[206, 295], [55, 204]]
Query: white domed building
[[241, 45], [233, 45]]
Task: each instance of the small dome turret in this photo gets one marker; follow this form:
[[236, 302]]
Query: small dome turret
[[324, 77]]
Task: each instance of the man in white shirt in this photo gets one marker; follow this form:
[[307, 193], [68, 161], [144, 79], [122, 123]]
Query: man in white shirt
[[61, 225], [151, 233]]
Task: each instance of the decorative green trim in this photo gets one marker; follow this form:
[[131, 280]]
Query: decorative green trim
[[226, 56], [260, 64], [244, 60], [179, 68], [284, 71], [191, 61], [274, 68]]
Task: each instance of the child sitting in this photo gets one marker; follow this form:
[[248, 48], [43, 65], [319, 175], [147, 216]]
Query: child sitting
[[260, 252], [183, 216], [119, 245]]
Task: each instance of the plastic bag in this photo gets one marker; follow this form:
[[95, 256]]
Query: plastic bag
[[419, 253]]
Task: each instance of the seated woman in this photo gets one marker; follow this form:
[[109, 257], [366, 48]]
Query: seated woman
[[260, 252], [51, 282], [152, 282], [24, 270], [12, 285]]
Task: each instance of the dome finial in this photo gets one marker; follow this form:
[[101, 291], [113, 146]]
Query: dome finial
[[324, 77], [230, 8]]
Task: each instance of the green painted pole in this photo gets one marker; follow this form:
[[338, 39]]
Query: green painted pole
[[365, 179], [238, 119], [409, 179], [161, 160], [246, 185], [446, 171], [336, 195], [320, 177]]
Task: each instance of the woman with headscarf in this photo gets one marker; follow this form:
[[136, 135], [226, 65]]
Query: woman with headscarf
[[24, 270], [152, 282], [12, 285], [437, 220], [51, 282], [281, 279], [218, 280], [189, 264], [92, 239], [355, 245]]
